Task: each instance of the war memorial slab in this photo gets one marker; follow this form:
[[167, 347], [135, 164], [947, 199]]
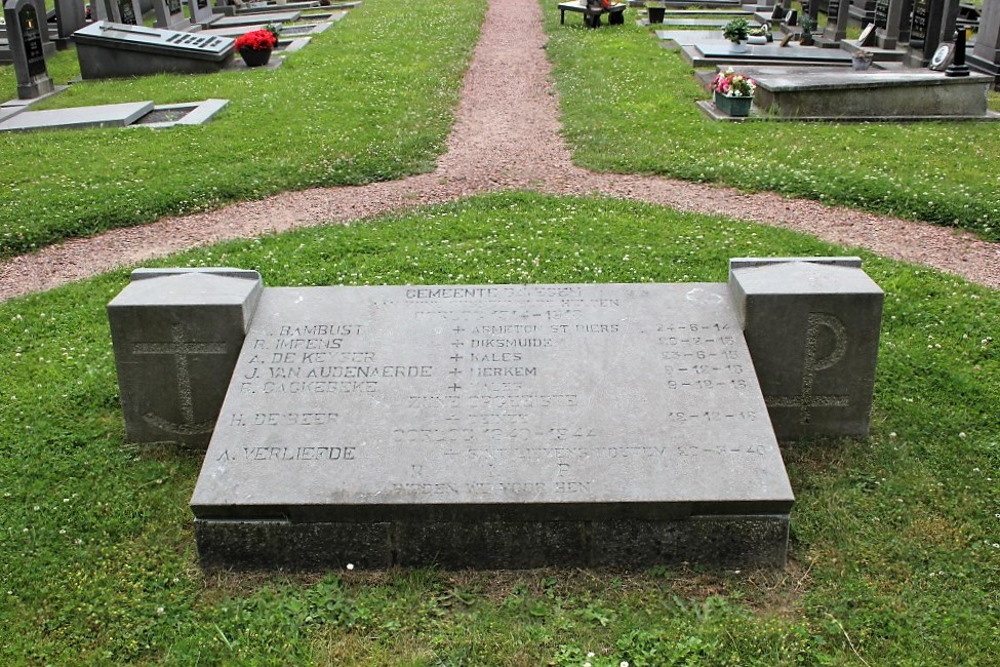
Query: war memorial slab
[[493, 426]]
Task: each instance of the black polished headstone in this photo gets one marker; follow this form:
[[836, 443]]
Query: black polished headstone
[[26, 36]]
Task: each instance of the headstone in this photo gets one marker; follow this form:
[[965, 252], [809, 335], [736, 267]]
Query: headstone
[[881, 14], [817, 369], [493, 426], [201, 12], [127, 12], [25, 37], [170, 15], [70, 16], [836, 25], [925, 32], [828, 93], [905, 21], [107, 50], [176, 337], [985, 56], [889, 33]]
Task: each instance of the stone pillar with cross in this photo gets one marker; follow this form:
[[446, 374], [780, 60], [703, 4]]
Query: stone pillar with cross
[[812, 326], [177, 334]]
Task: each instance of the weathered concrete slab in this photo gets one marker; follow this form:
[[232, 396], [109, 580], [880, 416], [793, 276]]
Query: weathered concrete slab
[[105, 115], [493, 426]]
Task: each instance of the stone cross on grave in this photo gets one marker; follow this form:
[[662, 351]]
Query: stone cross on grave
[[181, 349]]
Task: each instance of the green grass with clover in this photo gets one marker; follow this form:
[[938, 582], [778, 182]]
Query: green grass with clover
[[370, 99], [628, 107], [373, 99], [896, 538]]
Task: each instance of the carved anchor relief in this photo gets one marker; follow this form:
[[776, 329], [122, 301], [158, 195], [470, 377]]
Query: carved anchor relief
[[181, 349], [812, 364]]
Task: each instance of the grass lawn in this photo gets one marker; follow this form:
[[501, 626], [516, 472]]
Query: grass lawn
[[947, 173], [372, 98], [895, 550]]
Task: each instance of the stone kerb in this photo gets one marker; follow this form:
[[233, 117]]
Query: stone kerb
[[177, 334], [812, 326]]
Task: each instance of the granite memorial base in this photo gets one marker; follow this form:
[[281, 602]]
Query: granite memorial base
[[501, 426]]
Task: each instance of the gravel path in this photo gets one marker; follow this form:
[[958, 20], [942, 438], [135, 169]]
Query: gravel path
[[506, 136]]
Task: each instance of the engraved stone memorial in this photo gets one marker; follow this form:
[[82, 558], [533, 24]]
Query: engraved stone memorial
[[497, 426], [176, 336], [107, 50], [26, 34], [493, 426]]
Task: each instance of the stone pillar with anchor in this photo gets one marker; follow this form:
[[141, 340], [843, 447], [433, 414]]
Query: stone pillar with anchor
[[177, 334], [812, 327]]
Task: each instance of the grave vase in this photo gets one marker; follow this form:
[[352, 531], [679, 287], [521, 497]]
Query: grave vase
[[733, 106], [656, 14], [255, 57], [739, 47]]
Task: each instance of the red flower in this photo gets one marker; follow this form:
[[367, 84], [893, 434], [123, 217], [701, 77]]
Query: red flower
[[256, 40]]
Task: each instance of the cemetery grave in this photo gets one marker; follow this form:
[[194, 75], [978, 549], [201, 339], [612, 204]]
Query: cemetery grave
[[793, 85], [496, 425], [129, 114]]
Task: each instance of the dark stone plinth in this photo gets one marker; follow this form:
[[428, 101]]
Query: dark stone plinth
[[497, 543]]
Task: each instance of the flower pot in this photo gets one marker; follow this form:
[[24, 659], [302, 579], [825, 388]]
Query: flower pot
[[861, 63], [733, 106], [656, 14], [739, 47], [757, 39], [255, 57]]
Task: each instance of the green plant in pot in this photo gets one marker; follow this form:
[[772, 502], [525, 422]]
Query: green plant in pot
[[737, 31], [655, 10], [808, 24]]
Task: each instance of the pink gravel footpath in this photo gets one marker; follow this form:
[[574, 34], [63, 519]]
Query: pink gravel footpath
[[506, 136]]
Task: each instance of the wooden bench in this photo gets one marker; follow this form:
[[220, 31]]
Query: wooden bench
[[592, 15]]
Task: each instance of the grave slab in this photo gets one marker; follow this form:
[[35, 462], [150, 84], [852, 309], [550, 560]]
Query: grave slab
[[254, 19], [105, 115], [674, 39], [822, 93], [493, 426], [721, 50], [107, 50]]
